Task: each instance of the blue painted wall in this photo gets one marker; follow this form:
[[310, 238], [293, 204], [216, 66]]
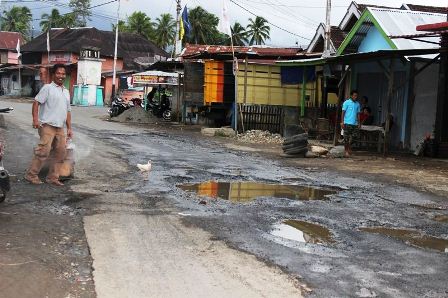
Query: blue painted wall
[[373, 41]]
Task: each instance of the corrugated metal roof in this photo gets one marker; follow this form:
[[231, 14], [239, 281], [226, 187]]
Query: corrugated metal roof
[[130, 45], [191, 50], [396, 22], [435, 9], [8, 40]]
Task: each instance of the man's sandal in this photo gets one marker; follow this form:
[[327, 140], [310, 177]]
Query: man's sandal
[[35, 180]]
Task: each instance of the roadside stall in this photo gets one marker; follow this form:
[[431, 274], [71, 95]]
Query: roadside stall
[[158, 85]]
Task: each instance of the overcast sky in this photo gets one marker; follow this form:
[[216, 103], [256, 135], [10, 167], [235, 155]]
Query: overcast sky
[[300, 17]]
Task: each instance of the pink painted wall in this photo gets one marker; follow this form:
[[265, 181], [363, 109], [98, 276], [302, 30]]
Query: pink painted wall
[[12, 58]]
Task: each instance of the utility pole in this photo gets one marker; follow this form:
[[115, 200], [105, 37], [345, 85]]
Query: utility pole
[[326, 54], [114, 76], [327, 49], [0, 15], [178, 10]]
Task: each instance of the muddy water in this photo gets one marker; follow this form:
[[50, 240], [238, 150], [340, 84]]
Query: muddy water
[[303, 231], [441, 218], [249, 191], [411, 237]]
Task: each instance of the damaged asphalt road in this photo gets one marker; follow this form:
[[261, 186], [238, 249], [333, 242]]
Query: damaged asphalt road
[[167, 236]]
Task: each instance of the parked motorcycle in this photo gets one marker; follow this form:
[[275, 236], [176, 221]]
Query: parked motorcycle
[[160, 108], [5, 183], [118, 106]]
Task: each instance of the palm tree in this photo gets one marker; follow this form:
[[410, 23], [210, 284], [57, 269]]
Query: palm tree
[[239, 34], [141, 24], [68, 20], [203, 26], [17, 19], [122, 26], [165, 30], [258, 31], [56, 20]]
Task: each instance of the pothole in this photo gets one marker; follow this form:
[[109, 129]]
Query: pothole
[[411, 237], [441, 218], [240, 192], [303, 231]]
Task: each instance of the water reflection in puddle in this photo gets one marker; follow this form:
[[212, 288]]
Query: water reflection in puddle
[[411, 237], [249, 191], [303, 231]]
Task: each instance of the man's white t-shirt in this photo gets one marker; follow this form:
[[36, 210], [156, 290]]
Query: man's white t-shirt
[[54, 104]]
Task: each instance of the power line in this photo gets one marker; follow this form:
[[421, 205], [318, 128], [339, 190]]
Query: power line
[[295, 6], [286, 12], [284, 17], [276, 26], [56, 3]]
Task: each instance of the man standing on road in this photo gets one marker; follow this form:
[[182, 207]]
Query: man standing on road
[[351, 122], [51, 110]]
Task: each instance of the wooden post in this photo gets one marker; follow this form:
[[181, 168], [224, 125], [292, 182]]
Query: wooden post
[[302, 105], [441, 129], [390, 94], [178, 96], [339, 105], [246, 65], [411, 102]]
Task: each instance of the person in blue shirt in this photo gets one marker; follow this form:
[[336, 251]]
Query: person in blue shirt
[[351, 121]]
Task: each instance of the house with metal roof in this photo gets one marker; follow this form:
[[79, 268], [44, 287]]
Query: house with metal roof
[[66, 45], [9, 82], [380, 29], [385, 58]]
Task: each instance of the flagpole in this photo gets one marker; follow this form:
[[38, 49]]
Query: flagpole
[[20, 75], [235, 74], [177, 35], [114, 75], [48, 78]]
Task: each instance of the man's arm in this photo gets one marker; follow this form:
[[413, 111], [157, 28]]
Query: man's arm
[[35, 113], [342, 119], [69, 125]]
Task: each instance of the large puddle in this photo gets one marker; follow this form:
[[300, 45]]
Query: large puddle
[[249, 191], [411, 237], [303, 231]]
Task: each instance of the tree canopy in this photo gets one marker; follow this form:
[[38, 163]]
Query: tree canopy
[[56, 20], [81, 11], [17, 19]]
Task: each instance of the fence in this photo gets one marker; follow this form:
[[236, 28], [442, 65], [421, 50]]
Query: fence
[[262, 117]]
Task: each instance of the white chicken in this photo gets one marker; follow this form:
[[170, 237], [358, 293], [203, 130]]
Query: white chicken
[[144, 168]]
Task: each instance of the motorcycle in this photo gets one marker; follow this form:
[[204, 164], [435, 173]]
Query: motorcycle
[[5, 183], [118, 106], [160, 109]]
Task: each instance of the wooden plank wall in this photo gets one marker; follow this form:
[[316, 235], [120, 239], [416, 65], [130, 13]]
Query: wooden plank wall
[[262, 117]]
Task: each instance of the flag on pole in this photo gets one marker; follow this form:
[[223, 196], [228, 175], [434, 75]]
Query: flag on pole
[[224, 21], [18, 48], [185, 26], [48, 41]]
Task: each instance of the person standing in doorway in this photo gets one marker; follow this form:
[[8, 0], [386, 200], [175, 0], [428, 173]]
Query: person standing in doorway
[[51, 111], [351, 122]]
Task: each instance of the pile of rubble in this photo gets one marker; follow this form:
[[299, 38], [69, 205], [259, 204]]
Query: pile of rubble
[[136, 115], [260, 137]]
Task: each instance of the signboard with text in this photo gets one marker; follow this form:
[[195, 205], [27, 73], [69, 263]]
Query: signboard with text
[[60, 57], [154, 80]]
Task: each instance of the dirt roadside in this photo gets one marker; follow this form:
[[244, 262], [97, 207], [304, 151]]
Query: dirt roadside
[[46, 232]]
